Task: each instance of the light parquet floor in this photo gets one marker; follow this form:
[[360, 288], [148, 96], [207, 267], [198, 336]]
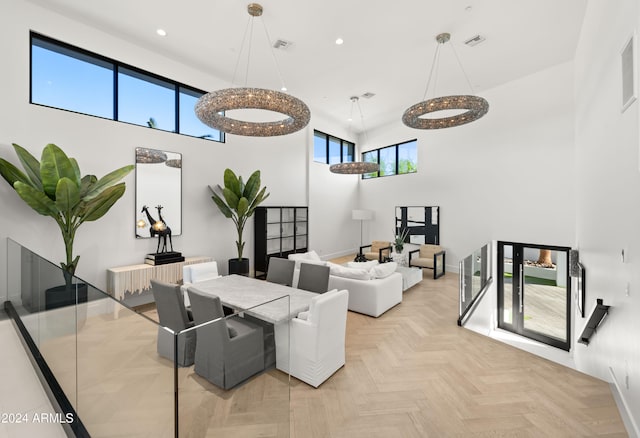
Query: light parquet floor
[[412, 372]]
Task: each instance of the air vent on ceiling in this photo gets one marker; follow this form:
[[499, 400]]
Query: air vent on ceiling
[[282, 44], [368, 95], [474, 41]]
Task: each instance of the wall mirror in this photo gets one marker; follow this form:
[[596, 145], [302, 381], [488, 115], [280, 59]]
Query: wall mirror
[[158, 183], [422, 223]]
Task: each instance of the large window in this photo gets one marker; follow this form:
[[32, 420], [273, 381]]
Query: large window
[[396, 159], [70, 78], [331, 150]]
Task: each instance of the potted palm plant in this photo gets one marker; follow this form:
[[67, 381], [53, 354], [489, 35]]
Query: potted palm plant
[[55, 187], [237, 201]]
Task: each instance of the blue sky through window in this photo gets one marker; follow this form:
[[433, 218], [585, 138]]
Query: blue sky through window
[[69, 83]]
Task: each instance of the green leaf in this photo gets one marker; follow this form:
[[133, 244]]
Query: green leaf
[[243, 206], [240, 187], [231, 198], [98, 206], [37, 200], [252, 187], [67, 196], [54, 165], [11, 173], [108, 181], [76, 170], [86, 183], [224, 208], [30, 164], [231, 182], [258, 200]]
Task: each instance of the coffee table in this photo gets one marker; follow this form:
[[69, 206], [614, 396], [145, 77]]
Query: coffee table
[[410, 276]]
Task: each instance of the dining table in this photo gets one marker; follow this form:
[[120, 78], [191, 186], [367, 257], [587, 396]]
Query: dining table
[[273, 303]]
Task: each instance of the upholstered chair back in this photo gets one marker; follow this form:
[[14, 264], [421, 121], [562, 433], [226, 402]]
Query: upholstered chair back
[[376, 245], [427, 251]]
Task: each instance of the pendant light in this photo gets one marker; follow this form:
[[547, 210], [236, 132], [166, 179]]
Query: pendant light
[[474, 106]]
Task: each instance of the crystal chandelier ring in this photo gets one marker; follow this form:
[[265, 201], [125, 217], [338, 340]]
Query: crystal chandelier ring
[[475, 107], [210, 107]]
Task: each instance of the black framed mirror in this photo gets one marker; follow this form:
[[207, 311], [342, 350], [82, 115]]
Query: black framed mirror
[[158, 191]]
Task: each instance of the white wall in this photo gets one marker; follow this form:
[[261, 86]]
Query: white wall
[[101, 146], [332, 197], [507, 176], [608, 188]]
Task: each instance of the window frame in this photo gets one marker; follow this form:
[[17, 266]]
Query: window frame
[[397, 172], [116, 66], [342, 145]]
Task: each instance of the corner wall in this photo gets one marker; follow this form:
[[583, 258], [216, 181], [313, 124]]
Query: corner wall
[[608, 189], [507, 176]]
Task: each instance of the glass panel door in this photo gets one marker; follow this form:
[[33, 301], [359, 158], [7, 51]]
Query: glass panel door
[[534, 291]]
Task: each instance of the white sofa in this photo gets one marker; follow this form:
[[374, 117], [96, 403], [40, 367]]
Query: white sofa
[[373, 289], [372, 297]]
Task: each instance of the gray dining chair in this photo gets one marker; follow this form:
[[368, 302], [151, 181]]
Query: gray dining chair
[[314, 278], [229, 350], [173, 315], [280, 271]]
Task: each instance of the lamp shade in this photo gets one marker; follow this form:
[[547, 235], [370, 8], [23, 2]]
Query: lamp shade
[[361, 215]]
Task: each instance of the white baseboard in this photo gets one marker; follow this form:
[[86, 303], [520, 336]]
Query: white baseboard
[[623, 407]]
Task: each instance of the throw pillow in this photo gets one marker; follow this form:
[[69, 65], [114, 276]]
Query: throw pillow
[[232, 332], [383, 270]]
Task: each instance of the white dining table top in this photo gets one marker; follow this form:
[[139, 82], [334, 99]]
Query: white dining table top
[[265, 300]]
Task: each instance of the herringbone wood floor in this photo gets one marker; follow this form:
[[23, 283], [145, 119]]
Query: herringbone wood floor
[[412, 372]]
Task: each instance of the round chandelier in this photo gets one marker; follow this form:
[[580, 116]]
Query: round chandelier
[[356, 167], [473, 107], [210, 107]]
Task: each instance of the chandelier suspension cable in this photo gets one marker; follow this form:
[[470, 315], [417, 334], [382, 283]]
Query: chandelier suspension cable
[[244, 39], [273, 55], [246, 74], [436, 58], [453, 48]]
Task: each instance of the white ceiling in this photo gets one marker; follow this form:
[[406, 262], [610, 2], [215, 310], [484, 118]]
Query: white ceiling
[[388, 45]]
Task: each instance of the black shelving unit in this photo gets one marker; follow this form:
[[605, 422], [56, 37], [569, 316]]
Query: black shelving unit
[[278, 232]]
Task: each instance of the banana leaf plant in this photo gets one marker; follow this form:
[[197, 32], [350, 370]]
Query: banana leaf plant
[[237, 200], [54, 187]]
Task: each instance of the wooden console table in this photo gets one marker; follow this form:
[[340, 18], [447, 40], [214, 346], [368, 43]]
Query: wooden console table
[[137, 278]]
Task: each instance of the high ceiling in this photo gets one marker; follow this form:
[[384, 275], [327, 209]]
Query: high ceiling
[[388, 46]]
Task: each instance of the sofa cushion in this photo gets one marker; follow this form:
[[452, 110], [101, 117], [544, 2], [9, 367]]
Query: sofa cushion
[[343, 271], [383, 270], [363, 265]]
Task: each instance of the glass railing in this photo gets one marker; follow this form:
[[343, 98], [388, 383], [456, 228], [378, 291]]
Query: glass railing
[[105, 358], [475, 275]]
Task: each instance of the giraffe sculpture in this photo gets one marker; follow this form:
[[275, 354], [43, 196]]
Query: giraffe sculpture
[[152, 221], [163, 231]]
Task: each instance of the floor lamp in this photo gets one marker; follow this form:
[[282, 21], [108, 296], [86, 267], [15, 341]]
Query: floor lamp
[[361, 215]]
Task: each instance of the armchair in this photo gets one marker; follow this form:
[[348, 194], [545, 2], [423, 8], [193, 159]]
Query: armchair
[[230, 350], [318, 338], [431, 257], [173, 315], [380, 249]]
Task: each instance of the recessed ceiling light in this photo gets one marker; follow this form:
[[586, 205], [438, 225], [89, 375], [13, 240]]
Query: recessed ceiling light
[[339, 41], [283, 88], [161, 32]]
